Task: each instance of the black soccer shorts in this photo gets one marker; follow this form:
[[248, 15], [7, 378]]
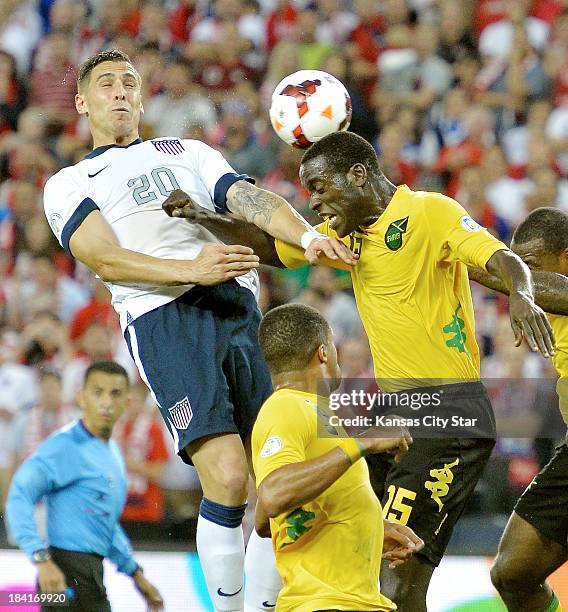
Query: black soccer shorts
[[431, 485], [544, 504]]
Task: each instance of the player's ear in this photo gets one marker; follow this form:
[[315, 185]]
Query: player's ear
[[322, 353], [357, 174], [81, 104]]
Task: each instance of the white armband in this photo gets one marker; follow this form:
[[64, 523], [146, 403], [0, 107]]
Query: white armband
[[308, 236]]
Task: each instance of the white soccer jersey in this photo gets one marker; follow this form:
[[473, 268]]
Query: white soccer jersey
[[128, 185]]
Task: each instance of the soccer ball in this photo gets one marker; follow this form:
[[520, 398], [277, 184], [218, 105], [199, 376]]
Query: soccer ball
[[308, 105]]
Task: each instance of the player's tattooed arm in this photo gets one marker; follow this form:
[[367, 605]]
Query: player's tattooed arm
[[550, 288], [275, 216], [257, 205], [228, 228]]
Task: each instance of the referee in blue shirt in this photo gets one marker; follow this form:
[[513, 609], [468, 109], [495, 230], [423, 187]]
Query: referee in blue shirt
[[80, 472]]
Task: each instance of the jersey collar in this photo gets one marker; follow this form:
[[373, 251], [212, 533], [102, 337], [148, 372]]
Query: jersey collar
[[104, 148]]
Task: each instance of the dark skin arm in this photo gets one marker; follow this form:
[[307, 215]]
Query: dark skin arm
[[226, 228], [295, 484], [550, 288], [527, 319]]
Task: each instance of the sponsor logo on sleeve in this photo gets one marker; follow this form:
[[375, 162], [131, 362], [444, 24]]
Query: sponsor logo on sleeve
[[469, 224], [272, 446]]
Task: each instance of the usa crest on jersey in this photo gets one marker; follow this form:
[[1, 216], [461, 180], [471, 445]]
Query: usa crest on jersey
[[181, 413], [172, 146]]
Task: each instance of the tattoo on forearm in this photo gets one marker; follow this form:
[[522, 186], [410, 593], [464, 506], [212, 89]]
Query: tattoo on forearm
[[255, 205]]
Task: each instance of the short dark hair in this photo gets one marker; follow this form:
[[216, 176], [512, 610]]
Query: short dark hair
[[343, 149], [289, 335], [114, 55], [107, 367], [547, 224]]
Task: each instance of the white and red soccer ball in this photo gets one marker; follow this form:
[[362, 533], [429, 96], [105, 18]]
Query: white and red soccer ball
[[308, 105]]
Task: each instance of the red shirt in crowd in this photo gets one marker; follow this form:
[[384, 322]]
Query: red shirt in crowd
[[142, 439]]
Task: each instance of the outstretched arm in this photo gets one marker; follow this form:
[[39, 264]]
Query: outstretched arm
[[527, 319], [228, 228], [550, 288], [272, 214]]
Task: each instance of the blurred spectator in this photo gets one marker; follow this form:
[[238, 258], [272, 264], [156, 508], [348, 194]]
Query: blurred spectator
[[20, 30], [546, 189], [456, 39], [507, 83], [516, 139], [280, 23], [18, 392], [399, 169], [180, 106], [46, 341], [447, 125], [239, 142], [471, 195], [557, 132], [141, 436], [54, 79], [98, 310], [94, 344], [338, 307], [453, 157], [12, 93], [497, 39], [355, 358], [46, 290], [31, 427], [505, 194], [311, 52], [426, 76], [284, 178], [556, 58], [335, 23]]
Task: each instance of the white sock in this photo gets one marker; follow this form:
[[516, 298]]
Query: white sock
[[263, 580], [222, 554]]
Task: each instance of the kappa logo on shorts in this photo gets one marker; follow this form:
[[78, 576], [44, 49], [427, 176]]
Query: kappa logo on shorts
[[441, 486], [181, 413]]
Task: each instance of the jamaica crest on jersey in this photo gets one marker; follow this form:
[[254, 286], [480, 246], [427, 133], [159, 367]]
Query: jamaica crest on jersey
[[181, 413]]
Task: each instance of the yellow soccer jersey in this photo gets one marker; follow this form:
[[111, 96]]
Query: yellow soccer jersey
[[560, 360], [328, 551], [412, 288]]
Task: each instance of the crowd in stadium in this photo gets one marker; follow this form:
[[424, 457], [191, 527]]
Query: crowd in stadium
[[467, 98]]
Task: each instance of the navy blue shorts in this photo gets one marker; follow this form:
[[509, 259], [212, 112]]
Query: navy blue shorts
[[200, 357]]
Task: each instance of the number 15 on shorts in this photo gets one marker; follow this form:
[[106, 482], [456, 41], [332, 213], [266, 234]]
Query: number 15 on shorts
[[396, 509]]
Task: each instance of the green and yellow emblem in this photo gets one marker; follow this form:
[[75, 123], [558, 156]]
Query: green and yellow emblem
[[455, 328], [393, 235]]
